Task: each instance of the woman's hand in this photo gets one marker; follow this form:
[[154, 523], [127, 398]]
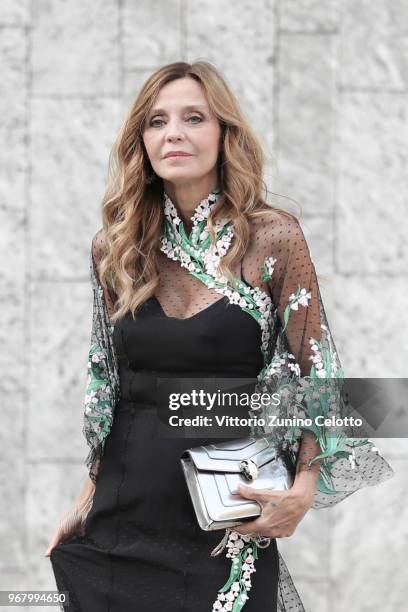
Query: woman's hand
[[71, 524], [281, 510]]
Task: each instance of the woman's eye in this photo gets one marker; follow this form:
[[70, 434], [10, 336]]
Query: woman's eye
[[153, 121]]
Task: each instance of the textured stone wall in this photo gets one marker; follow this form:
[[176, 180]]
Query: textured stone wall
[[324, 84]]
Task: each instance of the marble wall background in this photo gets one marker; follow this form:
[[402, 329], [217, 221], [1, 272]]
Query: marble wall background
[[324, 83]]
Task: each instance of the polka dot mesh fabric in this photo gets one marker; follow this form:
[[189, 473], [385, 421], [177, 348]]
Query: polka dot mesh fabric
[[279, 265]]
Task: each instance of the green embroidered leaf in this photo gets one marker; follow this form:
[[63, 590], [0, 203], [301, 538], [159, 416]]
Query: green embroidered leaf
[[342, 454], [286, 316], [323, 488], [333, 445], [238, 603], [234, 574], [183, 232], [95, 384], [265, 274]]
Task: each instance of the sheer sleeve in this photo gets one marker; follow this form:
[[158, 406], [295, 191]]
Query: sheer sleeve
[[102, 389], [305, 371], [295, 294]]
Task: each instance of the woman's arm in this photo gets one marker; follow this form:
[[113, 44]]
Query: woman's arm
[[72, 522], [306, 475], [87, 491], [294, 290], [102, 380], [306, 369]]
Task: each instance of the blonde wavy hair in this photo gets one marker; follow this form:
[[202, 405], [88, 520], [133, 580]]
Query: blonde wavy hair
[[132, 209]]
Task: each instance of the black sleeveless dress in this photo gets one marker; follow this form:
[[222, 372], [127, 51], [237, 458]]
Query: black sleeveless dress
[[142, 548]]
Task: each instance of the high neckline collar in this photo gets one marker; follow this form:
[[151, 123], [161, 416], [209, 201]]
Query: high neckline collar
[[201, 211]]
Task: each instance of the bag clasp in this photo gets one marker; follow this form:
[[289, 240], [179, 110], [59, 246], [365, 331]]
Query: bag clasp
[[249, 469]]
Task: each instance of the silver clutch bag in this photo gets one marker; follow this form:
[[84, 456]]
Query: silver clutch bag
[[213, 472]]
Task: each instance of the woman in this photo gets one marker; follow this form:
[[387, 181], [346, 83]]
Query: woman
[[183, 224]]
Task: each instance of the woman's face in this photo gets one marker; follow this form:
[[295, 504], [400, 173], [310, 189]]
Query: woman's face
[[181, 120]]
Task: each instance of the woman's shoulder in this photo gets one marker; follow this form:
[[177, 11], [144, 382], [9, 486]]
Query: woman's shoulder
[[99, 249], [99, 245], [274, 228]]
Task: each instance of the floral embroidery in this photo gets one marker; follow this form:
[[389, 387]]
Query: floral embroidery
[[319, 393], [267, 268], [300, 297], [234, 594]]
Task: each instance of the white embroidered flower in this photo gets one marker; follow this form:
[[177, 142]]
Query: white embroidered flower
[[294, 367], [269, 262], [304, 298], [301, 297]]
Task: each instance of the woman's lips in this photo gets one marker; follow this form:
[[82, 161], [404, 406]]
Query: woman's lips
[[177, 155]]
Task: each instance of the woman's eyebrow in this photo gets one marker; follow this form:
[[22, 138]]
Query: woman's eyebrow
[[187, 107]]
